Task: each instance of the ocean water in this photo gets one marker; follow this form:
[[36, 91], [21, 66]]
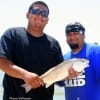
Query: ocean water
[[58, 95]]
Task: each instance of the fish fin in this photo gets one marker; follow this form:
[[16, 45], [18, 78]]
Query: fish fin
[[48, 84], [27, 87]]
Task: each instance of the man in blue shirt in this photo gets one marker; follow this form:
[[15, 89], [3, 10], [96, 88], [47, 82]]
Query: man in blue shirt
[[87, 85]]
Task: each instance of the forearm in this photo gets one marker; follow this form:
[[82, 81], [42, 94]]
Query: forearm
[[9, 68], [29, 78]]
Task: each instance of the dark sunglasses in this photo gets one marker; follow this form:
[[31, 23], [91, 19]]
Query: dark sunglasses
[[43, 13]]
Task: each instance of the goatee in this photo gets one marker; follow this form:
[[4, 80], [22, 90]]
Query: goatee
[[74, 46]]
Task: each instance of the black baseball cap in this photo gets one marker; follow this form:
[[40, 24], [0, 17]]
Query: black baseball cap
[[74, 27]]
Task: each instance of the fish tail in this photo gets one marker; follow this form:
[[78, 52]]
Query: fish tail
[[27, 87]]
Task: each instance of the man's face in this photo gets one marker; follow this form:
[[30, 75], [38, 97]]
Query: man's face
[[75, 40], [38, 16]]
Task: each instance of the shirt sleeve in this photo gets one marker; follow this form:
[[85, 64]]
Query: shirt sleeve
[[59, 53], [7, 44]]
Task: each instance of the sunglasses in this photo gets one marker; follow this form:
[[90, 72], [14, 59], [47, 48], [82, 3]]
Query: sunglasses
[[43, 13]]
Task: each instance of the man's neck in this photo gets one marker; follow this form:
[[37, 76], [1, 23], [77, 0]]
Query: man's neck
[[75, 51], [36, 33]]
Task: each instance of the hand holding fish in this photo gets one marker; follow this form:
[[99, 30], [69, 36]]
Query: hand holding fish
[[77, 68], [71, 73], [33, 80]]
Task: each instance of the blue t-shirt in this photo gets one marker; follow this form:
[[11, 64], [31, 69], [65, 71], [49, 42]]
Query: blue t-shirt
[[87, 85]]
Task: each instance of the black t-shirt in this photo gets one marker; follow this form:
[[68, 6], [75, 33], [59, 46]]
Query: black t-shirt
[[35, 54]]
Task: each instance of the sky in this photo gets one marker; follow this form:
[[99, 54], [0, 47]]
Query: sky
[[62, 12]]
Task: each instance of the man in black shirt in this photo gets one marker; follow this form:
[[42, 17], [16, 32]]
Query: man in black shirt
[[26, 53]]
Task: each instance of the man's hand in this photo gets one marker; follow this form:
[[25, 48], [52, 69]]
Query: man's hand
[[72, 73], [33, 80]]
